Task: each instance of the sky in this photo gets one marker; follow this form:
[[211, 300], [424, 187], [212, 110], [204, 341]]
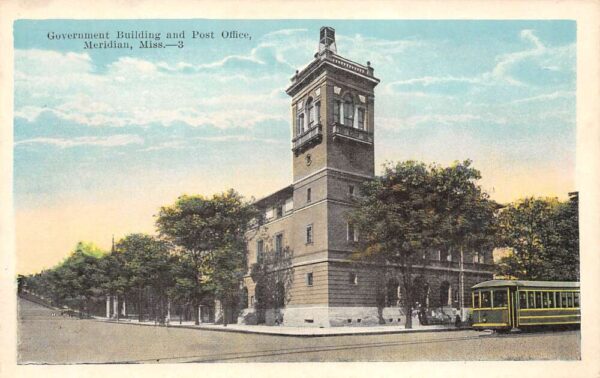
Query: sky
[[104, 137]]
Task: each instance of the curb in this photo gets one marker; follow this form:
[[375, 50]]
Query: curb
[[256, 332]]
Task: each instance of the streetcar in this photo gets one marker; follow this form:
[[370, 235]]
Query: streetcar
[[504, 305]]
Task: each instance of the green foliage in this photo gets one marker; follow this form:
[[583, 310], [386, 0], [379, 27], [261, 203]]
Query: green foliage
[[211, 236], [543, 236], [413, 208]]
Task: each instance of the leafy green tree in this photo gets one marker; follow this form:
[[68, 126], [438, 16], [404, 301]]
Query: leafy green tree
[[211, 234], [561, 256], [398, 222], [146, 263], [413, 208], [542, 234]]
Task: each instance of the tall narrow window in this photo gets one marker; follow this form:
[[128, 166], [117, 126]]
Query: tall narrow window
[[309, 279], [361, 118], [337, 105], [352, 232], [279, 211], [351, 190], [309, 234], [260, 250], [310, 109], [318, 111], [300, 124], [348, 111], [353, 279], [278, 244], [308, 195]]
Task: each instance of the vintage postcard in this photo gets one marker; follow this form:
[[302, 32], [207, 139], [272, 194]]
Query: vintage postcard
[[240, 190]]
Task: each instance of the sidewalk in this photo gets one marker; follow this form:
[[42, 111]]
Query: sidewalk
[[291, 331]]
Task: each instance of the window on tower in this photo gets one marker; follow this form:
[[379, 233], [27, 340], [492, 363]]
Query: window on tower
[[318, 111], [337, 105], [310, 111], [300, 124], [348, 110], [361, 118]]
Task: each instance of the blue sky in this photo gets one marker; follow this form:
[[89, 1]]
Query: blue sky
[[105, 137]]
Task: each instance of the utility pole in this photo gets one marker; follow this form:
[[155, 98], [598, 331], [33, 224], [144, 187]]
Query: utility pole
[[461, 278]]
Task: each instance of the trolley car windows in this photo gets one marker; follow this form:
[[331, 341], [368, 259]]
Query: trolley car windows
[[550, 299], [485, 299], [530, 299], [500, 299], [563, 300], [569, 300], [476, 303], [538, 299], [545, 299], [576, 299], [522, 300]]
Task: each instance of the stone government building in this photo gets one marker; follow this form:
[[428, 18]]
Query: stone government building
[[333, 107]]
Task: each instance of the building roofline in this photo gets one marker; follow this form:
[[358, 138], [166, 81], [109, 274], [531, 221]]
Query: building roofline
[[285, 192]]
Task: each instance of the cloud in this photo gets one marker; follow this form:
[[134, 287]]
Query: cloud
[[109, 141], [545, 97]]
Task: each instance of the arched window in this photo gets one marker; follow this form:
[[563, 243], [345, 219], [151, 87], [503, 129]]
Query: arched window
[[348, 110]]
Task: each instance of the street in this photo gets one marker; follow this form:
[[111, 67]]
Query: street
[[48, 339]]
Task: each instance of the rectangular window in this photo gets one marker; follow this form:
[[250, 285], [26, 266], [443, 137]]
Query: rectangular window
[[318, 112], [279, 211], [569, 300], [486, 300], [300, 124], [269, 214], [351, 190], [308, 195], [551, 303], [538, 300], [336, 111], [522, 300], [260, 250], [576, 299], [500, 298], [352, 233], [476, 303], [309, 234], [309, 279], [348, 114], [563, 299], [545, 299], [353, 279], [361, 118], [531, 299], [278, 244]]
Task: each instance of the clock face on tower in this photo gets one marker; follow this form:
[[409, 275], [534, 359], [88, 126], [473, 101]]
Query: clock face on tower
[[308, 159]]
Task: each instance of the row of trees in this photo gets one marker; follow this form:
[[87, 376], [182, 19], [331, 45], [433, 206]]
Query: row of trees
[[199, 253], [412, 208]]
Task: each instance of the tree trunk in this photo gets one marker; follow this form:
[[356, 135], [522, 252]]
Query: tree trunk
[[196, 311], [140, 314]]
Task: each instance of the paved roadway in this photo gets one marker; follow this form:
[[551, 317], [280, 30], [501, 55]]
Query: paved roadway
[[62, 340]]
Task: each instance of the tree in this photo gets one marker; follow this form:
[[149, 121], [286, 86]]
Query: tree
[[398, 221], [146, 266], [468, 216], [413, 208], [542, 234], [211, 234]]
